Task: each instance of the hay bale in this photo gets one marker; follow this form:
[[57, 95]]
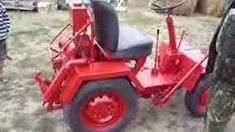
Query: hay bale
[[212, 7], [184, 10]]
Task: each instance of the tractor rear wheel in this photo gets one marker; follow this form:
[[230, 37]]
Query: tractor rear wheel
[[196, 100], [102, 106]]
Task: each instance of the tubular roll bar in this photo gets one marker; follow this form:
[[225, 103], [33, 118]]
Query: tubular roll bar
[[69, 42]]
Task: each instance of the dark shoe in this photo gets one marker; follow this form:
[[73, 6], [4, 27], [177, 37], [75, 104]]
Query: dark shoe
[[8, 57], [4, 80]]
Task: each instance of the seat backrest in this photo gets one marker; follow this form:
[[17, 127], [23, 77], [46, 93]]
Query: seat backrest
[[106, 24]]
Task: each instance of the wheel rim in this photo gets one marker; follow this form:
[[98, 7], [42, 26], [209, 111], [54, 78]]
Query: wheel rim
[[103, 110], [203, 100]]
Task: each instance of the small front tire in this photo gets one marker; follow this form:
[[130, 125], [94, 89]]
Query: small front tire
[[196, 100]]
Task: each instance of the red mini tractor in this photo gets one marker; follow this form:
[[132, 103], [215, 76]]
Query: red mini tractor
[[100, 70]]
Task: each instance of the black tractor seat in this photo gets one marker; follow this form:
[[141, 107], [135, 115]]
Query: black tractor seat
[[132, 43], [122, 41]]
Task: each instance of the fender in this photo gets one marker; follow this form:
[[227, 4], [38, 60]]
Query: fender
[[190, 58], [94, 71]]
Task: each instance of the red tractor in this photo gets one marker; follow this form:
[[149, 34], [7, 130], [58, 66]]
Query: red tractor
[[100, 70]]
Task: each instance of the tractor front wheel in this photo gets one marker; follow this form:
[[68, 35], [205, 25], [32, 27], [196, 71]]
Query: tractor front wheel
[[102, 106], [197, 99]]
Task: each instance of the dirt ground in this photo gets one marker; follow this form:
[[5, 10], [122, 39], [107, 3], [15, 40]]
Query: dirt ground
[[20, 99]]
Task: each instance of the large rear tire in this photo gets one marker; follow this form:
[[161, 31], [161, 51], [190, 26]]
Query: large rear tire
[[196, 100], [102, 106]]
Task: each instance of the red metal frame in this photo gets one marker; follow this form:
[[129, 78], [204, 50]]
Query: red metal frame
[[80, 59]]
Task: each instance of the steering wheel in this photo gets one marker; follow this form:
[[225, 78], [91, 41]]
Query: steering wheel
[[157, 7]]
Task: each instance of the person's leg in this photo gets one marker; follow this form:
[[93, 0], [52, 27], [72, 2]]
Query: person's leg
[[3, 57], [222, 93], [1, 70], [221, 107]]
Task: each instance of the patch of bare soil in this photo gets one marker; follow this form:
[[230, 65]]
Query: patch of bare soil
[[137, 3]]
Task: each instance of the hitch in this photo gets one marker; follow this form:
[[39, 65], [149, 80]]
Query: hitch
[[43, 83], [44, 87]]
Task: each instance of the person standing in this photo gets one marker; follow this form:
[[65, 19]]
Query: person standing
[[4, 31], [221, 105]]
